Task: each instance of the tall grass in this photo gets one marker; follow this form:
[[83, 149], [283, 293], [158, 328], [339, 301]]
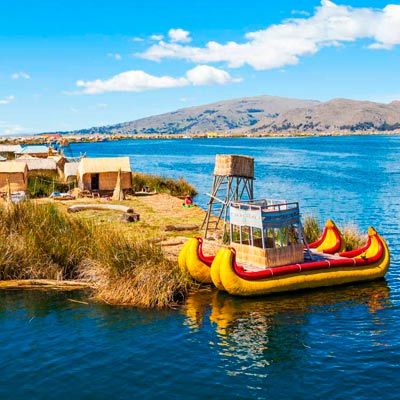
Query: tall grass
[[174, 187], [312, 229], [41, 241], [351, 235]]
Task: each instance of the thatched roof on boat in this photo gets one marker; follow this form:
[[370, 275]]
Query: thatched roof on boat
[[102, 165], [12, 167]]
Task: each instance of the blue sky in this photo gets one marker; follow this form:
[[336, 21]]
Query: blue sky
[[73, 64]]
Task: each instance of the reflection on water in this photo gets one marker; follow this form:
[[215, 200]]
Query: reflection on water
[[253, 334]]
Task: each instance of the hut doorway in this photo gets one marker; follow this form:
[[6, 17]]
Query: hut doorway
[[94, 184]]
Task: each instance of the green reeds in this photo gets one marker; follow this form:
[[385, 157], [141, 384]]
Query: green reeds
[[44, 185], [174, 187], [352, 237], [312, 229], [41, 242]]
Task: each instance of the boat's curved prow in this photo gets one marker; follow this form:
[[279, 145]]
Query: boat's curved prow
[[331, 241], [219, 260], [192, 260]]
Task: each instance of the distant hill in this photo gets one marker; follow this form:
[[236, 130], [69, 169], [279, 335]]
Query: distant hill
[[334, 116], [264, 114]]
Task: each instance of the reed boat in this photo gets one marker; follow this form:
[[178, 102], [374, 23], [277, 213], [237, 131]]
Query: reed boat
[[270, 254], [192, 259], [369, 262]]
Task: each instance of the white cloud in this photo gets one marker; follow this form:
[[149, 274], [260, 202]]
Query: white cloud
[[283, 44], [139, 81], [20, 75], [157, 37], [7, 100], [130, 81], [137, 39], [115, 56], [179, 35], [11, 129], [300, 12], [206, 75]]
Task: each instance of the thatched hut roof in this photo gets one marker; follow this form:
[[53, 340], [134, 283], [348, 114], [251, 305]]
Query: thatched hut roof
[[34, 149], [39, 164], [101, 165], [70, 169], [10, 148], [12, 167]]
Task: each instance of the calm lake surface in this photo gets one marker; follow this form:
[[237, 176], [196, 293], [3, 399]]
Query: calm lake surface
[[332, 343]]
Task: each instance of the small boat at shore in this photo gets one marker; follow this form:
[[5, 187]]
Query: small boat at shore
[[281, 260]]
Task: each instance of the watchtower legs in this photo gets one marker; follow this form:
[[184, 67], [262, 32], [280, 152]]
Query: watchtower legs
[[224, 190]]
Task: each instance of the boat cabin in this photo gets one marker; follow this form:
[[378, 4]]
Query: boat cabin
[[266, 233]]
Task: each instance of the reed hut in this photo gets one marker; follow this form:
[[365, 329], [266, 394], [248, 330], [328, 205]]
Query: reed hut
[[14, 174], [8, 150], [70, 171], [60, 161], [35, 151], [40, 166], [101, 174]]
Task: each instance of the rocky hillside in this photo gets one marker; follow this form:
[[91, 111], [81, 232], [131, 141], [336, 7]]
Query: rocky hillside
[[334, 116], [223, 116], [265, 114]]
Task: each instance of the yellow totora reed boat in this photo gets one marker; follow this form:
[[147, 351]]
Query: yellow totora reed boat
[[282, 262], [367, 263]]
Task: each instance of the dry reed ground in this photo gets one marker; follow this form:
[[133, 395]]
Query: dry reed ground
[[158, 212]]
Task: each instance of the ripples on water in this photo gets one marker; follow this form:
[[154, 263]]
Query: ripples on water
[[336, 343]]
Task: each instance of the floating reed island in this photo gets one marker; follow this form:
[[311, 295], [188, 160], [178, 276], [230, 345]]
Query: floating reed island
[[48, 244], [43, 245]]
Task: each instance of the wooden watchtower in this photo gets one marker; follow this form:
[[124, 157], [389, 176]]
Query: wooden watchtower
[[233, 181]]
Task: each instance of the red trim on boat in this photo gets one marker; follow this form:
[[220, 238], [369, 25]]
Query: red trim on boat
[[315, 244], [356, 252], [205, 259], [308, 266], [319, 241]]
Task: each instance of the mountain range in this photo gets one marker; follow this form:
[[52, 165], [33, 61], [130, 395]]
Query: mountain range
[[263, 115]]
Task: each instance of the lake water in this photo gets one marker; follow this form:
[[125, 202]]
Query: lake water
[[331, 343]]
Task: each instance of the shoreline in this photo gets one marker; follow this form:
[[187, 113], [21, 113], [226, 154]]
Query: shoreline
[[104, 138], [163, 222]]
